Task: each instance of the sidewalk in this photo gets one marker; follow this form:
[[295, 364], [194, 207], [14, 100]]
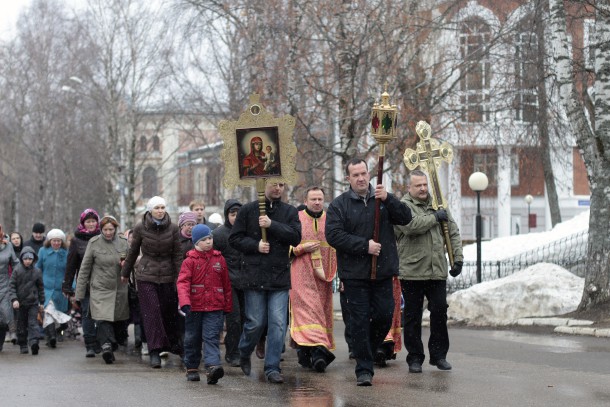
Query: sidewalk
[[562, 325], [567, 326]]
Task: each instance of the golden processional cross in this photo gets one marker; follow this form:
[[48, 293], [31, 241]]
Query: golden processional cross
[[429, 155]]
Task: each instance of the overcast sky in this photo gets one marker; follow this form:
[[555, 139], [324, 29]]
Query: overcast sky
[[9, 11]]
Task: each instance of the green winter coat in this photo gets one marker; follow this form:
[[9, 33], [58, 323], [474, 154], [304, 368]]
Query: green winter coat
[[421, 248], [101, 272]]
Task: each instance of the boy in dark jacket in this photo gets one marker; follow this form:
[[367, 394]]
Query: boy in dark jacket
[[235, 318], [27, 296], [204, 294]]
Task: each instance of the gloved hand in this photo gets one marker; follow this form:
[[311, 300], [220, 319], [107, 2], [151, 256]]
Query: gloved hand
[[441, 216], [456, 269], [186, 309]]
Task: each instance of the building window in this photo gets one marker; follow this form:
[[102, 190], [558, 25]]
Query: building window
[[156, 145], [526, 75], [514, 169], [149, 182], [476, 76], [487, 163], [143, 144], [212, 184]]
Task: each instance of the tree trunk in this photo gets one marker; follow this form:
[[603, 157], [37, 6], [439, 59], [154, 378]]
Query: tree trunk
[[594, 144], [543, 119]]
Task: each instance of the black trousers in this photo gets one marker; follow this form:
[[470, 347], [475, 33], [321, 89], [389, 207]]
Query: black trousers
[[370, 304], [435, 291], [27, 324], [345, 316], [113, 332], [235, 322]]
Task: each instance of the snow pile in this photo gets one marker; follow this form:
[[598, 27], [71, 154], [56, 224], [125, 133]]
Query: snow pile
[[509, 246], [540, 290]]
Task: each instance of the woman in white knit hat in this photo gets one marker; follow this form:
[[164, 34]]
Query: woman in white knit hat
[[159, 241], [52, 259]]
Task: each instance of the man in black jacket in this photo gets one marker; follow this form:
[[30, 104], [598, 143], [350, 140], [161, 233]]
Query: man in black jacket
[[350, 222], [265, 275], [236, 317]]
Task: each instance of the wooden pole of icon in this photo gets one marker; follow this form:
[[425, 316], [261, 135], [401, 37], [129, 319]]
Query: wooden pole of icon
[[260, 192], [383, 127]]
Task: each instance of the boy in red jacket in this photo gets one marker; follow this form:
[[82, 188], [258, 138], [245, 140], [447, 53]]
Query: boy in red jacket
[[204, 293]]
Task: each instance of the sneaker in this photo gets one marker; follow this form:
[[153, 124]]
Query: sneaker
[[35, 348], [144, 349], [319, 365], [415, 367], [214, 373], [23, 350], [163, 354], [192, 375], [275, 377], [90, 353], [442, 364], [365, 379]]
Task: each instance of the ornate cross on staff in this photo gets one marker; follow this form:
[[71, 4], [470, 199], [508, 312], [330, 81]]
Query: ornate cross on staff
[[428, 156]]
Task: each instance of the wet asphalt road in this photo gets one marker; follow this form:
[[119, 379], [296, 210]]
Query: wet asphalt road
[[491, 368]]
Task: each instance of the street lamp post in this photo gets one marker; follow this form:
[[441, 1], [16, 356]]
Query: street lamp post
[[478, 182], [528, 200]]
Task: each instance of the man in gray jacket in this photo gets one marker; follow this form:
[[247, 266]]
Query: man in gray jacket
[[423, 272]]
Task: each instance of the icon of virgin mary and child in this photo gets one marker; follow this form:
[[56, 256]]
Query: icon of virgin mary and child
[[258, 162]]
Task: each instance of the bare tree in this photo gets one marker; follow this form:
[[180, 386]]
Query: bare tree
[[593, 138]]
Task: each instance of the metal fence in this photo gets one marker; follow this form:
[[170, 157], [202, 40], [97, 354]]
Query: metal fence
[[569, 252]]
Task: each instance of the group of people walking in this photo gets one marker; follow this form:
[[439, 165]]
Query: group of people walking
[[263, 274]]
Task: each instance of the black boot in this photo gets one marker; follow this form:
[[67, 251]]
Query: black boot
[[107, 353], [155, 359], [50, 333], [137, 333], [3, 329]]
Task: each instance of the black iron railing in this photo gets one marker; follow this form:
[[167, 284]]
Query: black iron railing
[[568, 252]]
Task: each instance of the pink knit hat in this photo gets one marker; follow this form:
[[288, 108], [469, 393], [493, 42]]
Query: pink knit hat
[[187, 217]]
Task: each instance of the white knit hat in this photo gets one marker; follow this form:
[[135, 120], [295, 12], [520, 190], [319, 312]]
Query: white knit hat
[[216, 218], [154, 201], [56, 234]]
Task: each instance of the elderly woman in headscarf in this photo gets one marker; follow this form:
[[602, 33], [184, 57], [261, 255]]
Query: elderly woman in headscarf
[[52, 258], [156, 273], [87, 228], [100, 274], [7, 258]]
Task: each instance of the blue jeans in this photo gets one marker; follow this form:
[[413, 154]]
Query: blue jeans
[[370, 304], [265, 309], [206, 325]]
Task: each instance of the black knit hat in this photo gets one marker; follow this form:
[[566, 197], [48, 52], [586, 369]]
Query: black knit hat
[[38, 228]]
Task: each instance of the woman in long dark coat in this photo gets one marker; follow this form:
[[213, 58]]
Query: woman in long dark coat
[[159, 241]]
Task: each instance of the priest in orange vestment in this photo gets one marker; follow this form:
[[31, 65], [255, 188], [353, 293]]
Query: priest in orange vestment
[[311, 297]]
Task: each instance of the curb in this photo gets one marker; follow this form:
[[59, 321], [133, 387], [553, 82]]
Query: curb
[[599, 333]]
